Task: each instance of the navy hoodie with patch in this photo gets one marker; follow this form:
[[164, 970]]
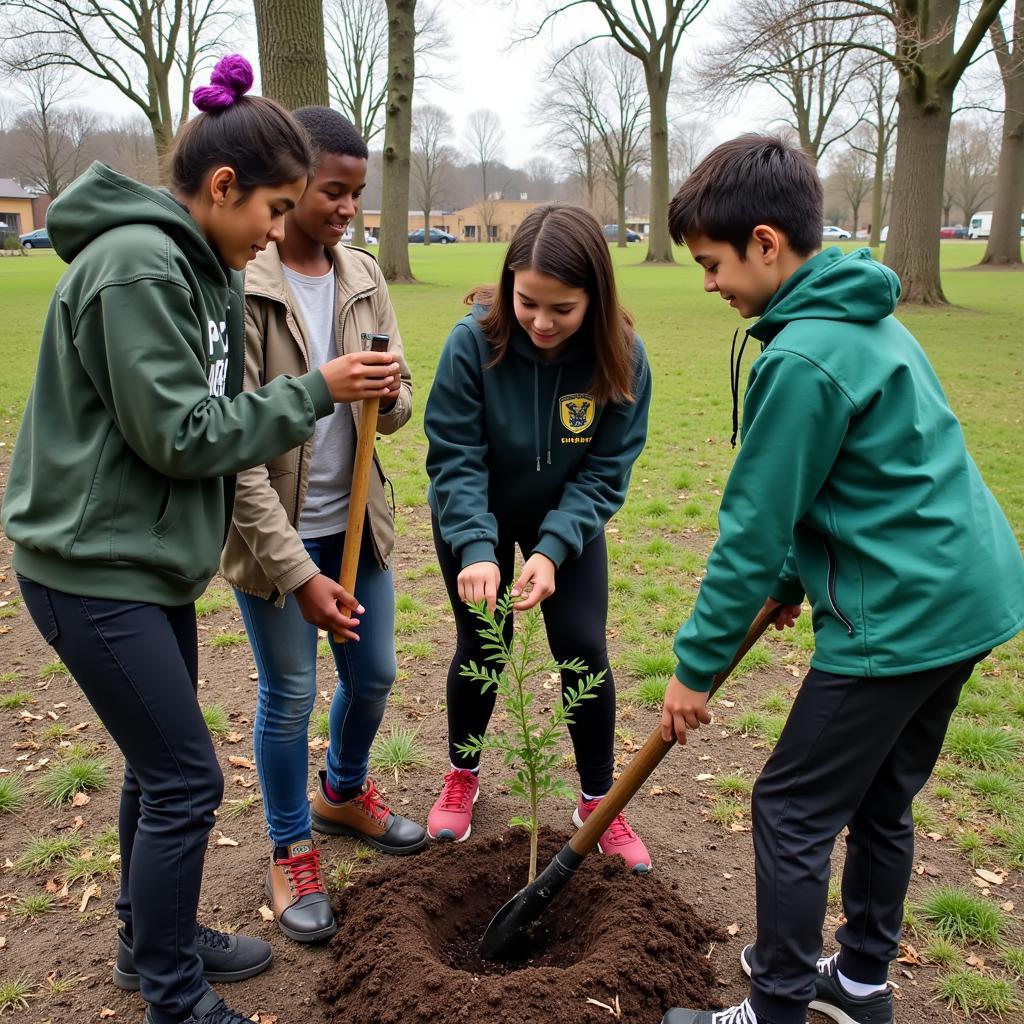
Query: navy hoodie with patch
[[525, 442]]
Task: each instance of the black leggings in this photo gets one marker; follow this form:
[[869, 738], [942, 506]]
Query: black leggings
[[138, 666], [575, 617]]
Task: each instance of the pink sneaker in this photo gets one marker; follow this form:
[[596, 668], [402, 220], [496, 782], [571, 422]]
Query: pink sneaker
[[451, 817], [619, 839]]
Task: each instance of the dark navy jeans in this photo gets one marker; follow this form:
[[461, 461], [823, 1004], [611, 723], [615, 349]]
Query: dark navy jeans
[[137, 664]]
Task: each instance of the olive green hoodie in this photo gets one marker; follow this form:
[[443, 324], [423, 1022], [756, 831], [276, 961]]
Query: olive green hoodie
[[854, 466], [122, 478]]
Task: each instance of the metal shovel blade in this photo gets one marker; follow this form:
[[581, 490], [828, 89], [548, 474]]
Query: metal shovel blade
[[511, 933]]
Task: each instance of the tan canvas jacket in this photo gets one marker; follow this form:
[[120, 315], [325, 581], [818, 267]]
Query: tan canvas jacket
[[264, 554]]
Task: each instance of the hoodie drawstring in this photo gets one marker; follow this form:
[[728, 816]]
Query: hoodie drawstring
[[734, 382], [536, 412]]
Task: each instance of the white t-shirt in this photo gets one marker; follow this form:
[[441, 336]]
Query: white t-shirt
[[334, 443]]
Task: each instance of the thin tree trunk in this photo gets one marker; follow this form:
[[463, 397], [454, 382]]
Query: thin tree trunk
[[620, 206], [394, 224], [426, 226], [659, 246], [293, 61], [913, 244], [878, 197], [1003, 249], [359, 229]]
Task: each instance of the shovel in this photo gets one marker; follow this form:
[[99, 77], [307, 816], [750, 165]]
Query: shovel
[[510, 934], [361, 467]]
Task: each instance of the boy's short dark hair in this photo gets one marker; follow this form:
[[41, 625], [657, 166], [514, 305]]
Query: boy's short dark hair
[[750, 180], [330, 132]]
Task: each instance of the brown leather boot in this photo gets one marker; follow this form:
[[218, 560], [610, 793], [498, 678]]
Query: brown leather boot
[[297, 894], [367, 817]]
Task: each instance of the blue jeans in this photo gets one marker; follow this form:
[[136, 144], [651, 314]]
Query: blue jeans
[[284, 646]]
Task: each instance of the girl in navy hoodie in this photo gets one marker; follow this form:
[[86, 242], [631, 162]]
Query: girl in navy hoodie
[[537, 414]]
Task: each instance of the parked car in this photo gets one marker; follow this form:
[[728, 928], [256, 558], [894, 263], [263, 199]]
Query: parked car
[[883, 235], [611, 232], [952, 231], [981, 225], [38, 239], [831, 233], [437, 236]]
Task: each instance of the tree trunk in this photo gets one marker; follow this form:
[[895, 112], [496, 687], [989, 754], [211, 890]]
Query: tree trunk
[[912, 250], [620, 209], [293, 61], [878, 197], [426, 226], [856, 215], [1003, 249], [659, 246], [394, 224], [359, 229]]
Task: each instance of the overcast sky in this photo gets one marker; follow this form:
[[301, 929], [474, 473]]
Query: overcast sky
[[484, 70]]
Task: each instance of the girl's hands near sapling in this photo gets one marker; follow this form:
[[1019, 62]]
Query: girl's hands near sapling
[[479, 581], [537, 580], [322, 602], [360, 375]]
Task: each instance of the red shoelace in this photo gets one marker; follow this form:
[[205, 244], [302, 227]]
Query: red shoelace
[[370, 801], [457, 787], [619, 830], [304, 873]]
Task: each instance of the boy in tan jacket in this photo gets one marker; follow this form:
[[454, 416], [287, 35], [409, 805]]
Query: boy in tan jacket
[[307, 299]]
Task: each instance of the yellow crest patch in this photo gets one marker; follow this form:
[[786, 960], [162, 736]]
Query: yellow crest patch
[[576, 412]]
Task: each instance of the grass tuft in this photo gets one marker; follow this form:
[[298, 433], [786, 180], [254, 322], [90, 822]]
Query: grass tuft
[[981, 746], [397, 752], [12, 796], [649, 692], [15, 994], [972, 993], [46, 851], [32, 906], [216, 719], [957, 914], [18, 699], [76, 775]]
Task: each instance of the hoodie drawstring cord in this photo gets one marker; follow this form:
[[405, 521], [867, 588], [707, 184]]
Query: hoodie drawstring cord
[[551, 416], [536, 415], [734, 382]]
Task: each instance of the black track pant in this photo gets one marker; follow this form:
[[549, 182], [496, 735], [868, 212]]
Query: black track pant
[[575, 617], [138, 666], [854, 753]]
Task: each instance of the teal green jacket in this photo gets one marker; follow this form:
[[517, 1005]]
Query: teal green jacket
[[854, 486], [122, 478], [524, 441]]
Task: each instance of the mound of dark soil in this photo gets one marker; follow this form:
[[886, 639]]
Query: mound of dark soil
[[406, 951]]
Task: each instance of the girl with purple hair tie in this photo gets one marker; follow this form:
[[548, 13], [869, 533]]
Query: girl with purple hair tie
[[137, 408]]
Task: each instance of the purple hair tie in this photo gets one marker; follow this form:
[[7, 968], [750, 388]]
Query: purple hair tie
[[231, 79]]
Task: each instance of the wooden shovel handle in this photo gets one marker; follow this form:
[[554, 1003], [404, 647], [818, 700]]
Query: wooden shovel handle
[[361, 469], [637, 772]]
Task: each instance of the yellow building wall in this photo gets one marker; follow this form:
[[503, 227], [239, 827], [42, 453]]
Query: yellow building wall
[[21, 207]]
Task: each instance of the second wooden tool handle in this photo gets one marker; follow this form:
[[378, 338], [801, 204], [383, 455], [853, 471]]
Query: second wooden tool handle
[[638, 771]]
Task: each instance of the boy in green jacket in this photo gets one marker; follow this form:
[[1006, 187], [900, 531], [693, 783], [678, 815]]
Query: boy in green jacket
[[855, 487]]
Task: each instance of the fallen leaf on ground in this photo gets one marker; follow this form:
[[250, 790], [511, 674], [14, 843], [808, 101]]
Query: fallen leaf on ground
[[105, 1012], [738, 826], [90, 892], [3, 941], [733, 929], [234, 737], [1008, 906], [241, 762], [909, 955], [935, 837], [266, 913], [993, 877], [80, 799], [704, 777], [657, 791], [223, 840], [978, 963]]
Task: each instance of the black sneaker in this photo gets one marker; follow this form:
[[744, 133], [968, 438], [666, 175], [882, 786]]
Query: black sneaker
[[742, 1014], [225, 957], [209, 1010], [831, 999]]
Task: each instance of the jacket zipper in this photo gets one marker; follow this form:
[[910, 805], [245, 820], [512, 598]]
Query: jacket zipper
[[832, 568]]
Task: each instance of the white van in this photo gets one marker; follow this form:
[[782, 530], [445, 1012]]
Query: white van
[[981, 225]]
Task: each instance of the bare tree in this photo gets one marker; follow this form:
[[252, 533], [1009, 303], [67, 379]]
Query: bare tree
[[431, 157], [687, 143], [654, 40], [807, 64], [485, 138], [293, 60], [150, 51], [1003, 247], [357, 44], [970, 167], [874, 135], [569, 111], [853, 173], [625, 122], [53, 137], [394, 222], [543, 175]]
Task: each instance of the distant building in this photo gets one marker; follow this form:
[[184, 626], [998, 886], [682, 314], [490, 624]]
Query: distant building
[[16, 215], [491, 220]]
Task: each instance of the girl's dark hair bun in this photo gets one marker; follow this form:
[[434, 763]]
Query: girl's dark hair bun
[[231, 79]]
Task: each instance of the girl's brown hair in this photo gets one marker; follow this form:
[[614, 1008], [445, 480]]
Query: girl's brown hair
[[255, 136], [567, 243]]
